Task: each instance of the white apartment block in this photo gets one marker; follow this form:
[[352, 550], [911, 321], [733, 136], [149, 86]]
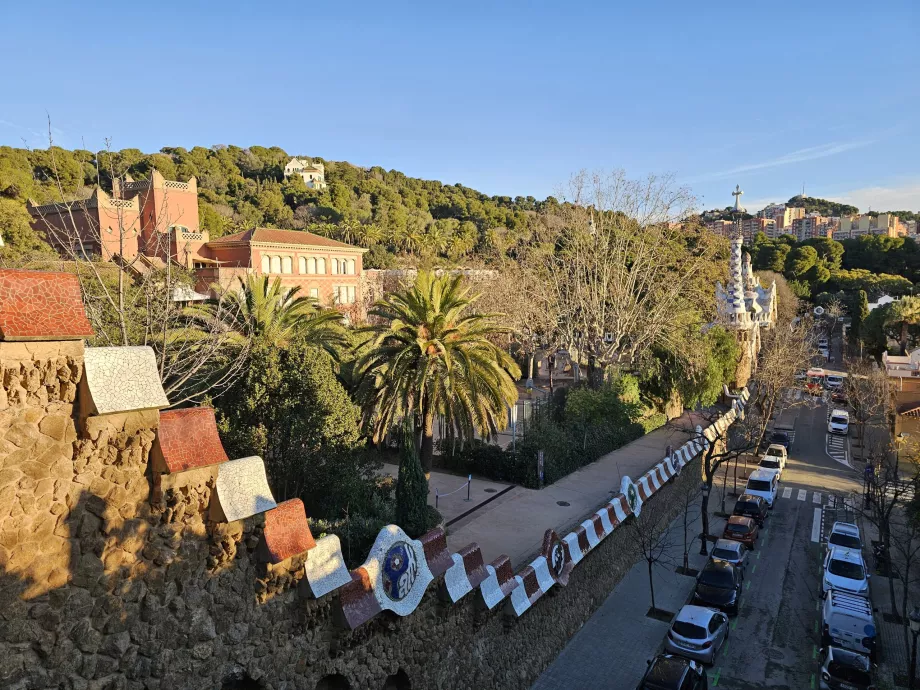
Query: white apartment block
[[313, 174]]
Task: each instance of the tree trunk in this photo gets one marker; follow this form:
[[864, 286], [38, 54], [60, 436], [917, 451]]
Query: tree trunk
[[704, 507], [903, 611], [551, 360], [427, 452], [651, 582], [904, 337]]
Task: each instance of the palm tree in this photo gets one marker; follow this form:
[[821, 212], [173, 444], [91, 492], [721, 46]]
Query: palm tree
[[271, 314], [905, 312], [430, 355]]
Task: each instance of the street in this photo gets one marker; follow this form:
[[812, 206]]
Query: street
[[774, 641]]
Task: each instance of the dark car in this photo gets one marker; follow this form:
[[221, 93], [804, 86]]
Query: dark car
[[782, 438], [669, 672], [753, 507], [840, 397], [719, 585], [743, 529]]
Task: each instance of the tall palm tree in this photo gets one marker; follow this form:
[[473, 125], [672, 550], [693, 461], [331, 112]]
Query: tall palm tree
[[905, 312], [271, 314], [429, 354]]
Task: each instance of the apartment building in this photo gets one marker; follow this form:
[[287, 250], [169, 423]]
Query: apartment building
[[813, 225], [865, 224]]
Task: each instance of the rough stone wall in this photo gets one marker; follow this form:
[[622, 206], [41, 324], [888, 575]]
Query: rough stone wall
[[106, 582]]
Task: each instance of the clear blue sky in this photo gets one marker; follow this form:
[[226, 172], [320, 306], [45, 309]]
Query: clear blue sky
[[508, 98]]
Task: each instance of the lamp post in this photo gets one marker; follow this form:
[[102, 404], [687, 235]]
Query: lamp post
[[703, 551], [914, 618], [899, 442]]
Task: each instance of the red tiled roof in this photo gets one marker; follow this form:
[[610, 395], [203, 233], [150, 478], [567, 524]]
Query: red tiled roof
[[275, 236], [40, 305], [188, 439], [287, 532]]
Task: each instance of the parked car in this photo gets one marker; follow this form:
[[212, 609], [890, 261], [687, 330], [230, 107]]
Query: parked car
[[670, 672], [743, 529], [763, 483], [824, 352], [833, 382], [752, 506], [822, 342], [730, 551], [845, 570], [719, 585], [697, 632], [845, 535], [781, 438], [838, 422], [847, 621], [778, 451], [845, 670]]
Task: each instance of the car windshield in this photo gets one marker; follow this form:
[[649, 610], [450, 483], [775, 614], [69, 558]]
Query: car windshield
[[742, 507], [845, 540], [738, 529], [839, 420], [716, 577], [689, 630], [851, 571], [779, 437], [776, 452], [849, 674], [771, 464], [725, 554], [758, 485]]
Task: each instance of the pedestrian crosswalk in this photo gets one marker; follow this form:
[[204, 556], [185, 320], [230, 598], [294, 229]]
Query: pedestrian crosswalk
[[817, 497], [838, 448]]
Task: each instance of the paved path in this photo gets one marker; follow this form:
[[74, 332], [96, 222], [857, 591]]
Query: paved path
[[515, 526], [774, 640]]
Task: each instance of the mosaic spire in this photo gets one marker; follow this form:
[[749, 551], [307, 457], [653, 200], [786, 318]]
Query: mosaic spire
[[735, 307]]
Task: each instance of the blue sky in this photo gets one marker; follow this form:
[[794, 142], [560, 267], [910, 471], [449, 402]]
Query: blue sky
[[505, 97]]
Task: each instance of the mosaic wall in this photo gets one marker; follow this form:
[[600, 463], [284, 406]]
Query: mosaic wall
[[41, 306]]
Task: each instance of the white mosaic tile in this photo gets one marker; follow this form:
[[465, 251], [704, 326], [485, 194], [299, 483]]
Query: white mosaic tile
[[121, 379], [398, 571], [325, 567], [456, 580], [242, 488]]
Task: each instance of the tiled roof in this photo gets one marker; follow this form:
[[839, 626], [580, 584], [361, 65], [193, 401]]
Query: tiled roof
[[275, 236], [39, 305]]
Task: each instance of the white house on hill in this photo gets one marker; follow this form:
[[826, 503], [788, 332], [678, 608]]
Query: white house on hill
[[313, 174]]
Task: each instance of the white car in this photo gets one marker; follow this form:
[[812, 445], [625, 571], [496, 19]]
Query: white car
[[778, 453], [763, 483], [848, 621], [823, 351], [838, 422], [844, 535], [833, 382], [845, 571]]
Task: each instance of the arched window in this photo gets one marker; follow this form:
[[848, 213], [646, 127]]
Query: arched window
[[335, 267], [321, 266], [334, 681], [351, 267], [302, 265], [398, 681], [266, 264], [286, 265], [311, 265], [276, 264]]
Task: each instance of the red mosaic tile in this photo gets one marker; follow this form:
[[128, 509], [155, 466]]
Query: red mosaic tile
[[188, 438], [287, 532], [434, 543], [357, 599], [40, 305]]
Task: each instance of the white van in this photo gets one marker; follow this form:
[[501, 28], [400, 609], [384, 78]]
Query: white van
[[763, 483], [838, 422], [847, 621]]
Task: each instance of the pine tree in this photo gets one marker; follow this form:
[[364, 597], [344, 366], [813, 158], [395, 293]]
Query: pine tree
[[411, 489]]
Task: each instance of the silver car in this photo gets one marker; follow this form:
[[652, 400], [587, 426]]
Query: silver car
[[697, 633], [731, 551]]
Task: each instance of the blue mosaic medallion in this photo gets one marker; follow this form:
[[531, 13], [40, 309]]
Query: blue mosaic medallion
[[399, 570]]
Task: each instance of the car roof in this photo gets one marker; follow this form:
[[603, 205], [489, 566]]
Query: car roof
[[729, 544], [750, 497], [845, 656], [763, 475], [699, 615], [839, 553], [667, 668], [740, 520], [718, 564], [776, 445], [845, 528], [849, 603], [842, 413], [781, 433]]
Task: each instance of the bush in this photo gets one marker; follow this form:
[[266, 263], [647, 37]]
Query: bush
[[653, 421]]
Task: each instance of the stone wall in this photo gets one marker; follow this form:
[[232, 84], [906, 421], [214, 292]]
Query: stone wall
[[118, 568]]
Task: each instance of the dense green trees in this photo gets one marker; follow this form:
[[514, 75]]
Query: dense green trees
[[822, 206], [429, 354]]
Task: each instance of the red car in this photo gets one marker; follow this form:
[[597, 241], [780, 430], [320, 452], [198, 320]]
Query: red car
[[742, 529]]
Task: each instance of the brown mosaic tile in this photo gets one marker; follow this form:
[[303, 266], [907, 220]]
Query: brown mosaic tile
[[434, 543], [287, 532], [188, 439], [41, 305], [357, 599]]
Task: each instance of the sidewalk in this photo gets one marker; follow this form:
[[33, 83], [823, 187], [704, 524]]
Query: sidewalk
[[593, 658], [515, 526]]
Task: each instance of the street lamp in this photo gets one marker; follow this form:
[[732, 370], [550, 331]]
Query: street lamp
[[899, 442], [703, 551], [914, 618]]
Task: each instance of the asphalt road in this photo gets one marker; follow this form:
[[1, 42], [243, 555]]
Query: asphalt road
[[774, 641]]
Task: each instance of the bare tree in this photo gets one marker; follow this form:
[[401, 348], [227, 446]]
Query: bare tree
[[654, 541], [689, 494], [869, 397], [134, 298], [904, 536], [613, 272]]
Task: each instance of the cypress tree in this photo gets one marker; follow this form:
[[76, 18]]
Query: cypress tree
[[411, 488]]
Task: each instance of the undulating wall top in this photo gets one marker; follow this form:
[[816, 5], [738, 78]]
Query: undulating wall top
[[38, 305]]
